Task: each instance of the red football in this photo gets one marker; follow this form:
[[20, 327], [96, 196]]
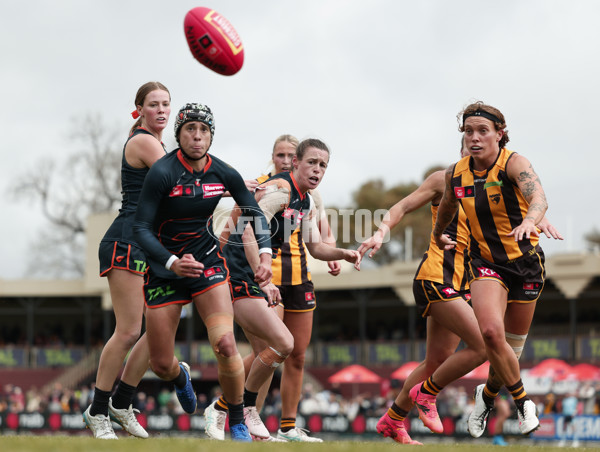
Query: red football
[[213, 40]]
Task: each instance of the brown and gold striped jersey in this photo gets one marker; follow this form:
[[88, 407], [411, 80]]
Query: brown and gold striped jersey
[[494, 206], [290, 267], [447, 266]]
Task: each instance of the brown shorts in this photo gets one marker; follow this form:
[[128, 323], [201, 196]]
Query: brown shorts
[[522, 278], [299, 297], [427, 292]]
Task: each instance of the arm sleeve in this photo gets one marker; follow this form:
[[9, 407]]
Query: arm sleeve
[[156, 186], [250, 209]]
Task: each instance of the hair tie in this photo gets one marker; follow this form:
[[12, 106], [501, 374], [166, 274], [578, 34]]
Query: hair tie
[[135, 114]]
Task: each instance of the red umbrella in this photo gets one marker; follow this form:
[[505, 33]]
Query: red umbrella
[[479, 373], [581, 372], [402, 372], [551, 367], [354, 374]]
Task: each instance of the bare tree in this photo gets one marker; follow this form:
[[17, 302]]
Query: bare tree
[[87, 181], [593, 239]]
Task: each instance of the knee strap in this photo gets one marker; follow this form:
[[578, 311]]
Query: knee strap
[[230, 366], [218, 325], [517, 342], [271, 357]]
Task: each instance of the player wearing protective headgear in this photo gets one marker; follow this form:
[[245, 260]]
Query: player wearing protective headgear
[[173, 225], [194, 112]]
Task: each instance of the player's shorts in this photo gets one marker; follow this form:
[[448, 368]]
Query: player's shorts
[[241, 276], [241, 288], [427, 292], [159, 292], [299, 297], [523, 278], [122, 256]]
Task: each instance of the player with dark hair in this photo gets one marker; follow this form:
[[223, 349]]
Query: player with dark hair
[[292, 277], [440, 289], [286, 202], [173, 224], [503, 200]]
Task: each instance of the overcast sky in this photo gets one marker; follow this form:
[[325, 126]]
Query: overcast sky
[[381, 82]]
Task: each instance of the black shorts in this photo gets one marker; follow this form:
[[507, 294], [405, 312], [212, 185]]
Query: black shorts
[[241, 288], [241, 276], [159, 292], [123, 256], [427, 292], [523, 278], [299, 297]]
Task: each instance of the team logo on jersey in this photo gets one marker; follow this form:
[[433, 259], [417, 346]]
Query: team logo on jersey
[[449, 291], [495, 198], [309, 296], [212, 190], [464, 192], [292, 214], [488, 272], [186, 190]]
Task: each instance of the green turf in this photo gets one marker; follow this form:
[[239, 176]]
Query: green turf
[[166, 444]]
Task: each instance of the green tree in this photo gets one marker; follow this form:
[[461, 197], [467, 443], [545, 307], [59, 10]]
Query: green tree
[[353, 225], [68, 189]]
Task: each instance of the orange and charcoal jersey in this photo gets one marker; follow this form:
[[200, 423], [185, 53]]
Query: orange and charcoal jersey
[[447, 266], [290, 267], [494, 206]]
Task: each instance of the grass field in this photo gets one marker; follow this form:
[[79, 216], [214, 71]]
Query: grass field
[[165, 444]]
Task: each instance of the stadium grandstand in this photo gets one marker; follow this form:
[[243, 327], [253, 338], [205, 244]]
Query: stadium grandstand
[[52, 331]]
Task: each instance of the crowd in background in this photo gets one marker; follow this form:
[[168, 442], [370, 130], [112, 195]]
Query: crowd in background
[[453, 402]]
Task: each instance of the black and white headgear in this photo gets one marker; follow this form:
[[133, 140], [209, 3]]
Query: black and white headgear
[[194, 112]]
